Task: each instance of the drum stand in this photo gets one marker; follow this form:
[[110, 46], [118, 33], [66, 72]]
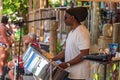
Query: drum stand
[[16, 72], [50, 69]]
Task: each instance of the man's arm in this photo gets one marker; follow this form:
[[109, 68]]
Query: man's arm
[[79, 58], [76, 60], [61, 55]]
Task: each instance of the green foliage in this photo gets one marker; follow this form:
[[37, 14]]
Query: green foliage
[[79, 3], [59, 47], [15, 9], [56, 3], [9, 58], [11, 6], [23, 32]]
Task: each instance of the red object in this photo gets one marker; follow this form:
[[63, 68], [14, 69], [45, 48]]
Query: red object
[[21, 62], [36, 44]]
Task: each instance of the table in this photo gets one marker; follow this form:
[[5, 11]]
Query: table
[[104, 63]]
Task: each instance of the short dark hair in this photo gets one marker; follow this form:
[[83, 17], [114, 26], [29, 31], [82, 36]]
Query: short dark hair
[[4, 20]]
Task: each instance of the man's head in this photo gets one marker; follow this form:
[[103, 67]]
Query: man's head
[[32, 36], [78, 13], [4, 20]]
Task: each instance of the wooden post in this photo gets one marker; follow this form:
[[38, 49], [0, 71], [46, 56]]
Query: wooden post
[[116, 34], [35, 22], [61, 22], [47, 3], [53, 37], [36, 4], [95, 23], [62, 2], [41, 27], [41, 4]]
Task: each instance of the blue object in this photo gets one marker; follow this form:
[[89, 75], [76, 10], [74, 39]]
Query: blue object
[[102, 5], [113, 48], [58, 62], [104, 57]]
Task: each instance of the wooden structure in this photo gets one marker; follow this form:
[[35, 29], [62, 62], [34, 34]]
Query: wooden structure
[[38, 11], [47, 27], [101, 0]]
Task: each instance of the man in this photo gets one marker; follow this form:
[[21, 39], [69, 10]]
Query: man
[[77, 45], [31, 39]]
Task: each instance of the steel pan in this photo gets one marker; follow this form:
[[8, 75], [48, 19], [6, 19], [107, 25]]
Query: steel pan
[[41, 67]]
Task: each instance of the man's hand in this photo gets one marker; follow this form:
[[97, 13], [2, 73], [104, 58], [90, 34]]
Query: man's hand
[[63, 65]]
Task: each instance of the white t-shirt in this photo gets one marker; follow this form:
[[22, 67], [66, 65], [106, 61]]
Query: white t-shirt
[[77, 40]]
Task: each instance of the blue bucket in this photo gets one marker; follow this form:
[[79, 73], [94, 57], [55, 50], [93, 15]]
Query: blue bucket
[[113, 48]]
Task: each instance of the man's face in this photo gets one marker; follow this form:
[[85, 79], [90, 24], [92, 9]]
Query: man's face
[[68, 19]]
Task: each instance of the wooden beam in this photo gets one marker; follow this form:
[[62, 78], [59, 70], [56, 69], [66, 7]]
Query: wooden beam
[[101, 0], [47, 3]]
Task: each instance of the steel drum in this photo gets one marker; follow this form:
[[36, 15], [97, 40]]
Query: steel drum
[[41, 67]]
